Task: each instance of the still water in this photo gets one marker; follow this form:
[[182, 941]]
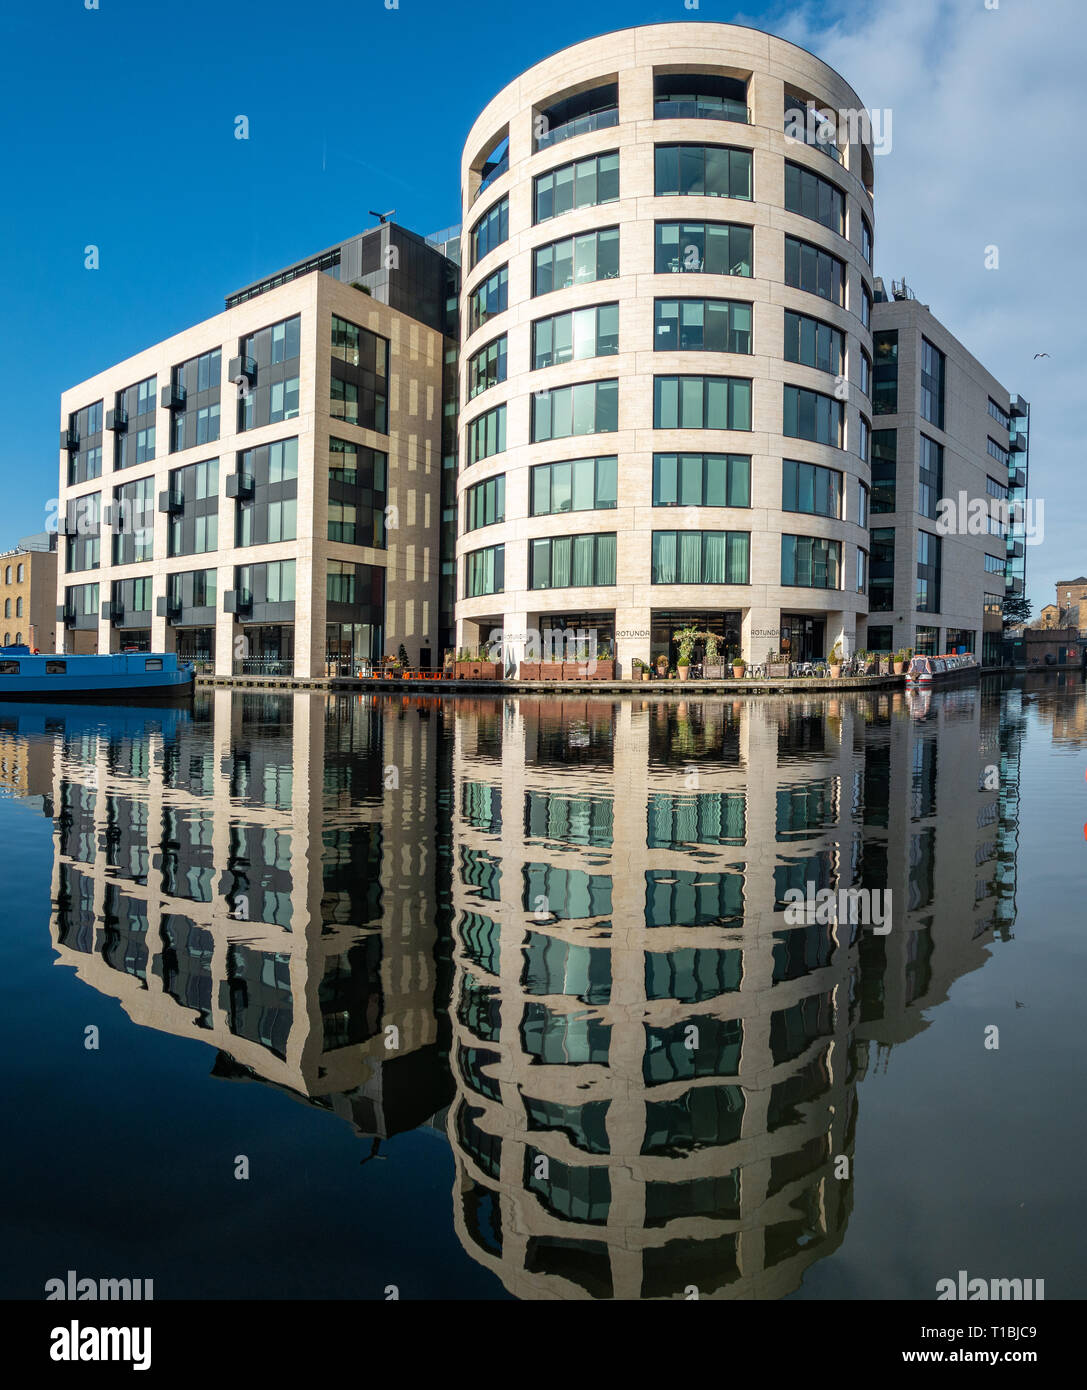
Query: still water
[[496, 997]]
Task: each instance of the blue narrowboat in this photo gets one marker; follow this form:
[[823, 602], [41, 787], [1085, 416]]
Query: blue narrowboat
[[940, 670], [137, 676]]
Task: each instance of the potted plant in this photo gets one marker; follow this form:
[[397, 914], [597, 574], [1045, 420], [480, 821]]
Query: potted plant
[[739, 667], [901, 658], [713, 668], [662, 667], [685, 640], [639, 669], [836, 661]]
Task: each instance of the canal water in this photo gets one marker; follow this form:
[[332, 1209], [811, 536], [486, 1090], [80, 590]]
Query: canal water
[[509, 997]]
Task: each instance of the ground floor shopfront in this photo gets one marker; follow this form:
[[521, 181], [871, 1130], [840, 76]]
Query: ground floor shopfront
[[652, 634]]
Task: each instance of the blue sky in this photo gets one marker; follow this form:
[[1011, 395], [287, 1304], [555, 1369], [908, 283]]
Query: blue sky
[[119, 130]]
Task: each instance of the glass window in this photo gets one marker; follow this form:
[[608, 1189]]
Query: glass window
[[588, 484], [806, 487], [581, 184], [811, 415], [813, 343], [581, 333], [811, 562], [489, 299], [492, 229], [811, 196], [486, 434], [709, 325], [700, 557], [484, 571], [696, 402], [701, 480], [485, 504], [809, 268], [487, 367], [715, 171], [709, 248], [576, 260], [932, 384], [589, 408], [566, 562]]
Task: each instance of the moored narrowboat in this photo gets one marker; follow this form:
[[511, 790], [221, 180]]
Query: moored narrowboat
[[940, 670], [138, 676]]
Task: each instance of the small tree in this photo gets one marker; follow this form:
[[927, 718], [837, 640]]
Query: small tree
[[402, 654], [1017, 609]]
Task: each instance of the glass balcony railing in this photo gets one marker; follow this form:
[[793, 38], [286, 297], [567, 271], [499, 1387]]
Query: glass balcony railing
[[580, 125], [702, 109], [493, 172]]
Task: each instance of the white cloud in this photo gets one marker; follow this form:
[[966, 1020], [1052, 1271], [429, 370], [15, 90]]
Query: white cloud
[[988, 150]]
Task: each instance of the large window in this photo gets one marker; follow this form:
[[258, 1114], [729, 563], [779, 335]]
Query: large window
[[85, 434], [487, 367], [813, 343], [885, 393], [929, 549], [194, 516], [884, 470], [712, 171], [270, 513], [273, 582], [591, 332], [359, 376], [585, 183], [489, 299], [134, 409], [492, 229], [811, 196], [862, 571], [805, 487], [701, 403], [930, 477], [274, 398], [591, 407], [805, 123], [999, 414], [133, 521], [881, 579], [485, 571], [486, 434], [996, 451], [809, 268], [190, 589], [357, 491], [701, 557], [706, 248], [701, 480], [811, 562], [485, 504], [82, 527], [702, 325], [580, 485], [811, 415], [932, 384], [196, 388], [576, 260], [572, 562]]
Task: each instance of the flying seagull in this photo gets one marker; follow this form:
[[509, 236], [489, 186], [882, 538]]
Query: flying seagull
[[1036, 355]]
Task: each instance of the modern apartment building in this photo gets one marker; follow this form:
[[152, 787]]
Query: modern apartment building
[[666, 348], [945, 459], [656, 410], [261, 491], [28, 585]]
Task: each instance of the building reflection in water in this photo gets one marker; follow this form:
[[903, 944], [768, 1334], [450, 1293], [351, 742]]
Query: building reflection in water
[[569, 917], [248, 875], [656, 1074]]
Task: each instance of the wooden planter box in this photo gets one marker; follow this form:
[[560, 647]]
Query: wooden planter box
[[551, 670], [488, 670], [778, 670], [462, 670], [530, 670], [573, 671], [714, 673], [603, 671]]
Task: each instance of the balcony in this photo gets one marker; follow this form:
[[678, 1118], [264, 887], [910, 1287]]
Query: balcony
[[242, 369], [580, 125], [113, 611], [171, 502], [1018, 443], [701, 108], [238, 602], [240, 485], [65, 615], [1019, 408], [69, 438], [168, 608], [172, 397], [596, 109], [117, 420]]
